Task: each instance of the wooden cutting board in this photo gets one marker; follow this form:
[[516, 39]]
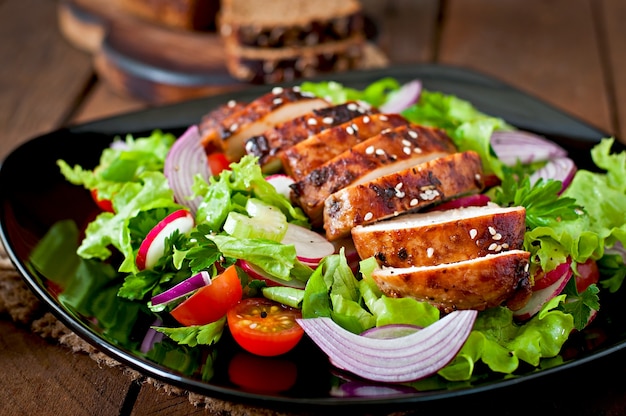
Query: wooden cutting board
[[143, 59], [150, 61]]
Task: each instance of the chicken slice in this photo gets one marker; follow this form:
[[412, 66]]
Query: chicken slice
[[391, 151], [269, 146], [303, 157], [480, 283], [431, 238], [411, 189], [265, 112]]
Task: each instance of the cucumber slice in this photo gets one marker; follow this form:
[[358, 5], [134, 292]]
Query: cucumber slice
[[265, 221]]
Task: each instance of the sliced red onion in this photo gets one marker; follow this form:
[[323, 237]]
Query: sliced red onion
[[475, 200], [400, 100], [152, 337], [511, 146], [391, 331], [183, 288], [561, 169], [397, 360], [185, 160], [365, 389]]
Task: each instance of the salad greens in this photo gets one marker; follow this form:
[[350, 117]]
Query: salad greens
[[582, 223]]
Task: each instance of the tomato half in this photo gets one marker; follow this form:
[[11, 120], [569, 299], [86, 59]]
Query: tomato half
[[210, 302], [217, 162], [588, 273], [264, 327], [103, 204]]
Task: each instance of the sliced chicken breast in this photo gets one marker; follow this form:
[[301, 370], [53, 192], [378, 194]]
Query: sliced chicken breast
[[480, 283], [391, 151], [430, 238], [265, 112], [269, 145], [411, 189], [303, 157]]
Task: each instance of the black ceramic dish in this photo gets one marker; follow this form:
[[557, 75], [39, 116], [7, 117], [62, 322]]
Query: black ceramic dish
[[35, 197]]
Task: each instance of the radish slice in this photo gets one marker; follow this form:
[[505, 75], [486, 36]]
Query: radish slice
[[552, 276], [541, 296], [391, 331], [311, 247], [256, 273], [397, 360], [561, 169], [185, 160], [183, 288], [400, 100], [511, 146], [281, 183], [151, 248]]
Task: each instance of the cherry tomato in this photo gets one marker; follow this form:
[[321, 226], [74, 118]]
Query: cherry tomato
[[217, 162], [264, 327], [588, 273], [103, 204], [210, 302], [251, 372]]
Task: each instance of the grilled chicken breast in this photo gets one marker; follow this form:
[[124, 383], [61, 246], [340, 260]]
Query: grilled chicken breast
[[431, 238], [391, 151], [265, 112], [479, 283], [210, 122], [269, 146], [303, 157], [407, 190]]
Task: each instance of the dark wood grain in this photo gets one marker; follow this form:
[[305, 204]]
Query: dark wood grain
[[571, 53]]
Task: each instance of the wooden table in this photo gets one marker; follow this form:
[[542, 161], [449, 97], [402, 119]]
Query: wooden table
[[570, 53]]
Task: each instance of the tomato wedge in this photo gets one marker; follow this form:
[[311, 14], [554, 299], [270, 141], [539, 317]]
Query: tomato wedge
[[210, 302], [264, 327], [587, 274], [217, 162], [103, 204]]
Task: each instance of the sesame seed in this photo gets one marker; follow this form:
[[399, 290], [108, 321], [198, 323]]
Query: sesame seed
[[399, 185], [380, 152], [368, 216], [277, 90], [369, 150], [231, 103], [413, 202], [405, 142], [473, 232], [328, 120], [478, 177], [383, 117], [417, 150], [492, 230], [497, 236], [385, 131], [312, 122], [277, 101], [406, 150], [352, 107], [349, 130], [234, 127], [526, 267], [413, 134], [492, 246], [430, 251], [400, 194], [396, 213], [366, 119], [355, 127], [505, 246]]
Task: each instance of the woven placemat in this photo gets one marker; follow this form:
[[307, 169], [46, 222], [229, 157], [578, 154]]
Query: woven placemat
[[22, 306]]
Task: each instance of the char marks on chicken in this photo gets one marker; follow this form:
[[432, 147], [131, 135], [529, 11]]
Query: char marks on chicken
[[270, 145]]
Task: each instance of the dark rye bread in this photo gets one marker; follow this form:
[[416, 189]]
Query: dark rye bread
[[286, 39]]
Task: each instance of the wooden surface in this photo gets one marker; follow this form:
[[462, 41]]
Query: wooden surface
[[571, 53]]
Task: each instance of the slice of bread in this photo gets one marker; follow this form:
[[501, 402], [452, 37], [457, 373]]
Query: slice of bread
[[286, 39], [435, 237]]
